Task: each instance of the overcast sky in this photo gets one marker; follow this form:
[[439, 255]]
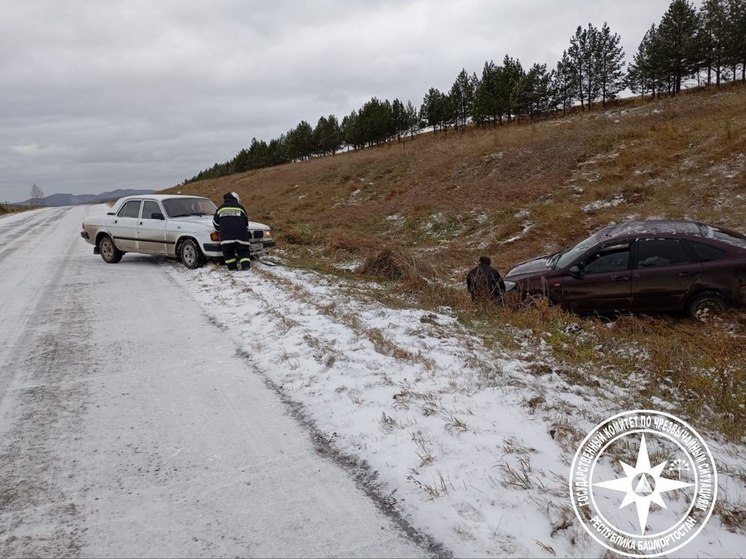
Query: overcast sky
[[103, 94]]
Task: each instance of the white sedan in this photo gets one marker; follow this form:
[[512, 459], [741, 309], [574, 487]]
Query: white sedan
[[165, 225]]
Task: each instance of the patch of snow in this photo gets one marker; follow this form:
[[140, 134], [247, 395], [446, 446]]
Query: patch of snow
[[492, 157], [482, 218], [445, 421], [599, 204], [349, 266], [434, 412], [729, 168], [514, 238]]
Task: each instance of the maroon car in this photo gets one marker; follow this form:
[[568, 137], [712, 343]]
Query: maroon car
[[642, 266]]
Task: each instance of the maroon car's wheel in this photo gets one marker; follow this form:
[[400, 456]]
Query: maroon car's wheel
[[108, 250], [706, 305]]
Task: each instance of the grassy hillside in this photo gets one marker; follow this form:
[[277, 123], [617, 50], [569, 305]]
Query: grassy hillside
[[419, 213], [449, 197]]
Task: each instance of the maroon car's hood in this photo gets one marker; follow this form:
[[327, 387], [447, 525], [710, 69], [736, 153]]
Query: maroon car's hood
[[533, 267]]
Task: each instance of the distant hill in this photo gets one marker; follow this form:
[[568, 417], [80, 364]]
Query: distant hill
[[77, 199]]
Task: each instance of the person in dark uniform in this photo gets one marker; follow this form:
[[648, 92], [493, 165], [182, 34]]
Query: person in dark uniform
[[484, 282], [232, 221]]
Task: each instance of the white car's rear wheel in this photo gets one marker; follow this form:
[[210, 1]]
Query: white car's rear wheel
[[108, 250]]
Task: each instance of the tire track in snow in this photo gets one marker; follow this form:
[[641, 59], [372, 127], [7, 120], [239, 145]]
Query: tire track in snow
[[27, 229], [41, 405], [365, 477]]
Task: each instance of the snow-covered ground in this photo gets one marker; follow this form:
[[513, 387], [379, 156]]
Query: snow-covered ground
[[184, 412], [449, 426]]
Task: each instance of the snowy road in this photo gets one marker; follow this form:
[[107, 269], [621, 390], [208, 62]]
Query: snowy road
[[131, 426]]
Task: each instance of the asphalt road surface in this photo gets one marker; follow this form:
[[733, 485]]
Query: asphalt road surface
[[130, 426]]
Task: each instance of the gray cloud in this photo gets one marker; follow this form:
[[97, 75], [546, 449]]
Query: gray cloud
[[101, 95]]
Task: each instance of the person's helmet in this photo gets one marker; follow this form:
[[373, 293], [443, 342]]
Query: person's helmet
[[236, 196]]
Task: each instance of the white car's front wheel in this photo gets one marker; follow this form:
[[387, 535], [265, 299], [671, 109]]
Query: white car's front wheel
[[190, 254]]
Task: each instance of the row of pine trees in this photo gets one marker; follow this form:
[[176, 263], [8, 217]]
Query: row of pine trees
[[708, 45]]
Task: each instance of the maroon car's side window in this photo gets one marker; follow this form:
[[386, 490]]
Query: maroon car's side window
[[706, 253], [609, 259], [653, 253]]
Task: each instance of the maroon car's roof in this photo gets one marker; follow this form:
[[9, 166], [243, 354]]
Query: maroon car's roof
[[655, 227], [672, 227]]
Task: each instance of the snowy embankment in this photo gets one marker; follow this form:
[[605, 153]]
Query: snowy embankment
[[449, 427]]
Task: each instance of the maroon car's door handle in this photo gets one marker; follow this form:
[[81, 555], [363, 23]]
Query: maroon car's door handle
[[685, 274], [619, 278]]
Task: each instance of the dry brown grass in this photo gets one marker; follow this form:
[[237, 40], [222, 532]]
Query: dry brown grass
[[418, 214], [391, 264], [8, 209], [696, 367], [452, 197]]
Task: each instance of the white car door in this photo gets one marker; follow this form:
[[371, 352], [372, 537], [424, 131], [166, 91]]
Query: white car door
[[151, 229], [124, 228]]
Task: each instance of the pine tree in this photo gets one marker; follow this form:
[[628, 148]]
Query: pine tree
[[462, 96], [300, 141], [563, 86], [278, 150], [327, 136], [432, 108], [400, 118], [712, 38], [486, 97], [736, 42], [413, 118], [533, 92], [646, 71], [609, 64], [352, 131], [376, 121], [509, 77], [580, 53], [676, 42]]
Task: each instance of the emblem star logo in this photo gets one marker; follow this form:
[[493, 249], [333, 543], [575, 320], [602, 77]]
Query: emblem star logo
[[642, 485]]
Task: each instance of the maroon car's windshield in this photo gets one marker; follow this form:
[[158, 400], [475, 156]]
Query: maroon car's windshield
[[566, 257]]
